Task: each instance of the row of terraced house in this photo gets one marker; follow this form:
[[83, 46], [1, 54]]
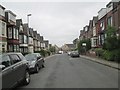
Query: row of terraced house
[[95, 31], [16, 36]]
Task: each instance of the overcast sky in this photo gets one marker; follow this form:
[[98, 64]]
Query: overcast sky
[[59, 22]]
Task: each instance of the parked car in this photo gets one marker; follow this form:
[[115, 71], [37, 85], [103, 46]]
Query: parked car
[[13, 70], [69, 52], [60, 52], [74, 54], [35, 62]]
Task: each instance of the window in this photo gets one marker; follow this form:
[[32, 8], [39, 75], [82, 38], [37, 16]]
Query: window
[[15, 58], [109, 21], [15, 48], [2, 12], [21, 50], [14, 34], [3, 48], [10, 47], [12, 17], [17, 34], [102, 39], [20, 38], [21, 57], [102, 26], [21, 28], [6, 60], [99, 41], [25, 49], [30, 40], [10, 32], [3, 29], [25, 39]]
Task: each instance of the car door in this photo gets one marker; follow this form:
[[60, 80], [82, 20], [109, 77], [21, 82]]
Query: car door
[[17, 67], [7, 73], [23, 67], [39, 60]]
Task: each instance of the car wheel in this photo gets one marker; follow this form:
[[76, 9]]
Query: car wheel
[[26, 78], [43, 65], [36, 69]]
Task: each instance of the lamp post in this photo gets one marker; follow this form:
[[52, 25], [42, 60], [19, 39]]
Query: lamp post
[[28, 18]]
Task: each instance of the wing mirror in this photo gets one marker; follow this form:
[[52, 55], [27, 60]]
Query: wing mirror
[[38, 58], [2, 67]]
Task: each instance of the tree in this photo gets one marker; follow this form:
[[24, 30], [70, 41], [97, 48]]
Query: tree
[[81, 48], [52, 49], [111, 41], [112, 45]]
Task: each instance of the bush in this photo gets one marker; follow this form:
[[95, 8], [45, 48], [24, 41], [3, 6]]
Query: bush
[[112, 55], [108, 55], [117, 55], [99, 52]]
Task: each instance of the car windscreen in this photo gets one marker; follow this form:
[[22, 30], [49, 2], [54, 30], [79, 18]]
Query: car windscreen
[[30, 57]]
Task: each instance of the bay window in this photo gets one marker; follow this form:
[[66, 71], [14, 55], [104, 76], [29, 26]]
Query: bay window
[[10, 32]]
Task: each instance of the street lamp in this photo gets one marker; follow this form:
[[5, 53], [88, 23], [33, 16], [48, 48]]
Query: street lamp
[[28, 18]]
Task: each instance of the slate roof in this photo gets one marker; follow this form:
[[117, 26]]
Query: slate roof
[[18, 22], [26, 29], [31, 32], [70, 45]]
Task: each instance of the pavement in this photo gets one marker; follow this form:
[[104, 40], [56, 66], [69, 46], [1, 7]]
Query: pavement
[[102, 61]]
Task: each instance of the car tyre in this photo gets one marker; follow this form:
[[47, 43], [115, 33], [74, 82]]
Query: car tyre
[[43, 65], [36, 69], [26, 78]]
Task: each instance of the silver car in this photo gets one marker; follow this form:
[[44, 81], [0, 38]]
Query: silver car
[[35, 62]]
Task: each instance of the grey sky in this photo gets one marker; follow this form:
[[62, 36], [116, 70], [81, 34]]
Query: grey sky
[[59, 22]]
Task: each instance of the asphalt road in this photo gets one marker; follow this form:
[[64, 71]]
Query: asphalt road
[[62, 71]]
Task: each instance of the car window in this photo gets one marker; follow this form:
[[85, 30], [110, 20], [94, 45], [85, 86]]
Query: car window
[[15, 58], [30, 57], [6, 61], [21, 57]]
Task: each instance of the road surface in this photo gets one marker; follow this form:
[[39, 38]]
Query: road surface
[[62, 71]]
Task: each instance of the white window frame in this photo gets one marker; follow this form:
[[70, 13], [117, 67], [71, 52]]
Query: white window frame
[[10, 32]]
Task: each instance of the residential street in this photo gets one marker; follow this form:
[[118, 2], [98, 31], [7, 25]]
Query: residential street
[[62, 71]]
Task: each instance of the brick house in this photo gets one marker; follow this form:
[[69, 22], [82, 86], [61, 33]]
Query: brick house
[[101, 26], [68, 47], [84, 33], [35, 40], [116, 15], [38, 42], [42, 44], [46, 42], [94, 38], [24, 39], [12, 32], [3, 36], [23, 43], [30, 41], [90, 30]]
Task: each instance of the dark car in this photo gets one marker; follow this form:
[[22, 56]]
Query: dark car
[[74, 54], [35, 62], [14, 70]]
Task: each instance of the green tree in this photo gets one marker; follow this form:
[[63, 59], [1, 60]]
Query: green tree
[[81, 48], [111, 41], [112, 45], [52, 49]]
